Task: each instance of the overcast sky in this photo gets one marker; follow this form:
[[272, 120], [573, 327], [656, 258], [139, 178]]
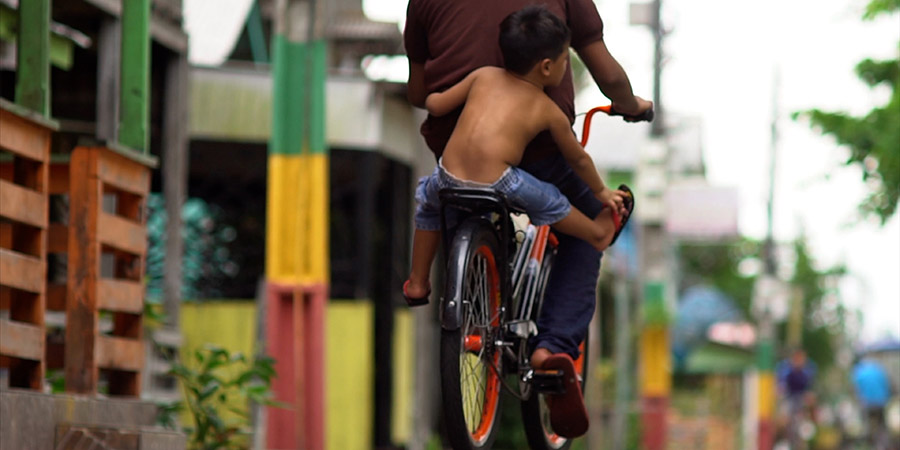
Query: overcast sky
[[721, 59]]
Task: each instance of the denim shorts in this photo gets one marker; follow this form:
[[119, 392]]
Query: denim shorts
[[543, 202]]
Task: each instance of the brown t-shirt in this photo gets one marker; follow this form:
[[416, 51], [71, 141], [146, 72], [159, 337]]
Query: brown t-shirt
[[454, 37]]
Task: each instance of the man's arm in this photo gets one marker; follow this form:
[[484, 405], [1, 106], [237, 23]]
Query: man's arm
[[612, 79], [415, 86], [440, 103]]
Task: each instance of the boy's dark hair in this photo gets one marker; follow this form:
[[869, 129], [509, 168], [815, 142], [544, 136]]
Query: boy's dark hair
[[530, 35]]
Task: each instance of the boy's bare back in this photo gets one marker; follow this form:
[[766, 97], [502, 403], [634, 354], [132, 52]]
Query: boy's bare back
[[502, 114]]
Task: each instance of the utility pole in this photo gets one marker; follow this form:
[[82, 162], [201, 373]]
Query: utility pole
[[765, 352], [655, 378], [657, 126]]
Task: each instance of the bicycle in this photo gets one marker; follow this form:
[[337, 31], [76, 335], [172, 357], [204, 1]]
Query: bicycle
[[495, 283]]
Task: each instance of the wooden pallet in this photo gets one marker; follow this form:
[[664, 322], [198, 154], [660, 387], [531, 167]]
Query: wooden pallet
[[107, 202], [25, 150]]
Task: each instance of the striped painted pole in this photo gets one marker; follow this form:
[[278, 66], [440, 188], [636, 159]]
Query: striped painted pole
[[297, 259], [656, 368], [765, 363]]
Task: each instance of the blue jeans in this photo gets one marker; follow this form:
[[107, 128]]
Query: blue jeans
[[542, 201], [571, 291]]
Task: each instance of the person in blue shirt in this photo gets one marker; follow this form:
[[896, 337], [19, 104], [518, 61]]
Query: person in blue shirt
[[873, 391], [795, 376]]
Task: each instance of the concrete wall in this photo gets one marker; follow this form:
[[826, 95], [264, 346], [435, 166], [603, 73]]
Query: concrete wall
[[30, 420]]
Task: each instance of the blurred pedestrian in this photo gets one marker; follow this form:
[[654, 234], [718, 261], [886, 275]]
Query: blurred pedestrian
[[873, 391], [795, 376]]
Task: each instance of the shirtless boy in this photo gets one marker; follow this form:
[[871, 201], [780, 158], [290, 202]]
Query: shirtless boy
[[504, 110]]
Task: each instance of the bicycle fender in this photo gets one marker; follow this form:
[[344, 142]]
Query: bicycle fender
[[451, 303]]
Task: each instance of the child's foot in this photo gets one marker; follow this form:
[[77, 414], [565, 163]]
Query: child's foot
[[539, 356], [618, 220], [416, 295]]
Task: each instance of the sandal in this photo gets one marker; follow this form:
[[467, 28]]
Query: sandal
[[568, 415], [618, 221], [415, 301]]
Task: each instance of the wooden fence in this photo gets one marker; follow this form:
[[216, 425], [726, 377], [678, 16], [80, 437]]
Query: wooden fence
[[104, 243]]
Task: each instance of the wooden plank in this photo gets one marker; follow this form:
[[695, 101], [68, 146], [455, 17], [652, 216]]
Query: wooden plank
[[33, 80], [21, 271], [120, 296], [23, 205], [83, 272], [59, 179], [21, 340], [6, 233], [24, 138], [56, 297], [134, 111], [109, 49], [121, 234], [120, 353], [123, 174], [57, 238]]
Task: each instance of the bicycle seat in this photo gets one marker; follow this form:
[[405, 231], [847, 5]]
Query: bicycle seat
[[478, 200]]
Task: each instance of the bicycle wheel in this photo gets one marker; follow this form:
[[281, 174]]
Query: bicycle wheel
[[535, 414], [470, 362]]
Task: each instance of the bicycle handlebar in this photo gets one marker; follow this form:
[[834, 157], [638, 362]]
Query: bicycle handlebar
[[646, 116]]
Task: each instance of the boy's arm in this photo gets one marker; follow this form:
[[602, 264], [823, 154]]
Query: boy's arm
[[581, 162], [440, 103], [415, 86]]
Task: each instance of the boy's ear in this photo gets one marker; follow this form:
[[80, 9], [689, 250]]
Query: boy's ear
[[545, 66]]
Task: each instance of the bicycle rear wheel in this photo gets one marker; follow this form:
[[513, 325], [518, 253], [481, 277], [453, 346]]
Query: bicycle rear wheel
[[470, 362]]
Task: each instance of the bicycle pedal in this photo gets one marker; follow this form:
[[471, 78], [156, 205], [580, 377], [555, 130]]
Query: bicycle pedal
[[548, 381]]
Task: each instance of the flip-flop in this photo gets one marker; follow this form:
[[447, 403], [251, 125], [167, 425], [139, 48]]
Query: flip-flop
[[415, 301], [618, 221], [568, 415]]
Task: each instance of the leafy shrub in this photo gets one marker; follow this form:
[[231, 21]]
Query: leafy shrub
[[214, 382]]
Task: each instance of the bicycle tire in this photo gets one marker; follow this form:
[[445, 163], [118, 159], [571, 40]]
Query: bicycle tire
[[470, 382], [535, 415]]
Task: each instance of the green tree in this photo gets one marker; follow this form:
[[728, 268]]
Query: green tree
[[824, 317], [872, 139]]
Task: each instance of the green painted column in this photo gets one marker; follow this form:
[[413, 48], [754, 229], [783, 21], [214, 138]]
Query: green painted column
[[134, 119], [33, 77]]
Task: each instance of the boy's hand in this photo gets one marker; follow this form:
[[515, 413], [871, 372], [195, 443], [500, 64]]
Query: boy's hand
[[613, 198]]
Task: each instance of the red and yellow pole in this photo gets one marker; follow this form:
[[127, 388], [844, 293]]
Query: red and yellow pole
[[297, 258], [766, 388], [656, 368]]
